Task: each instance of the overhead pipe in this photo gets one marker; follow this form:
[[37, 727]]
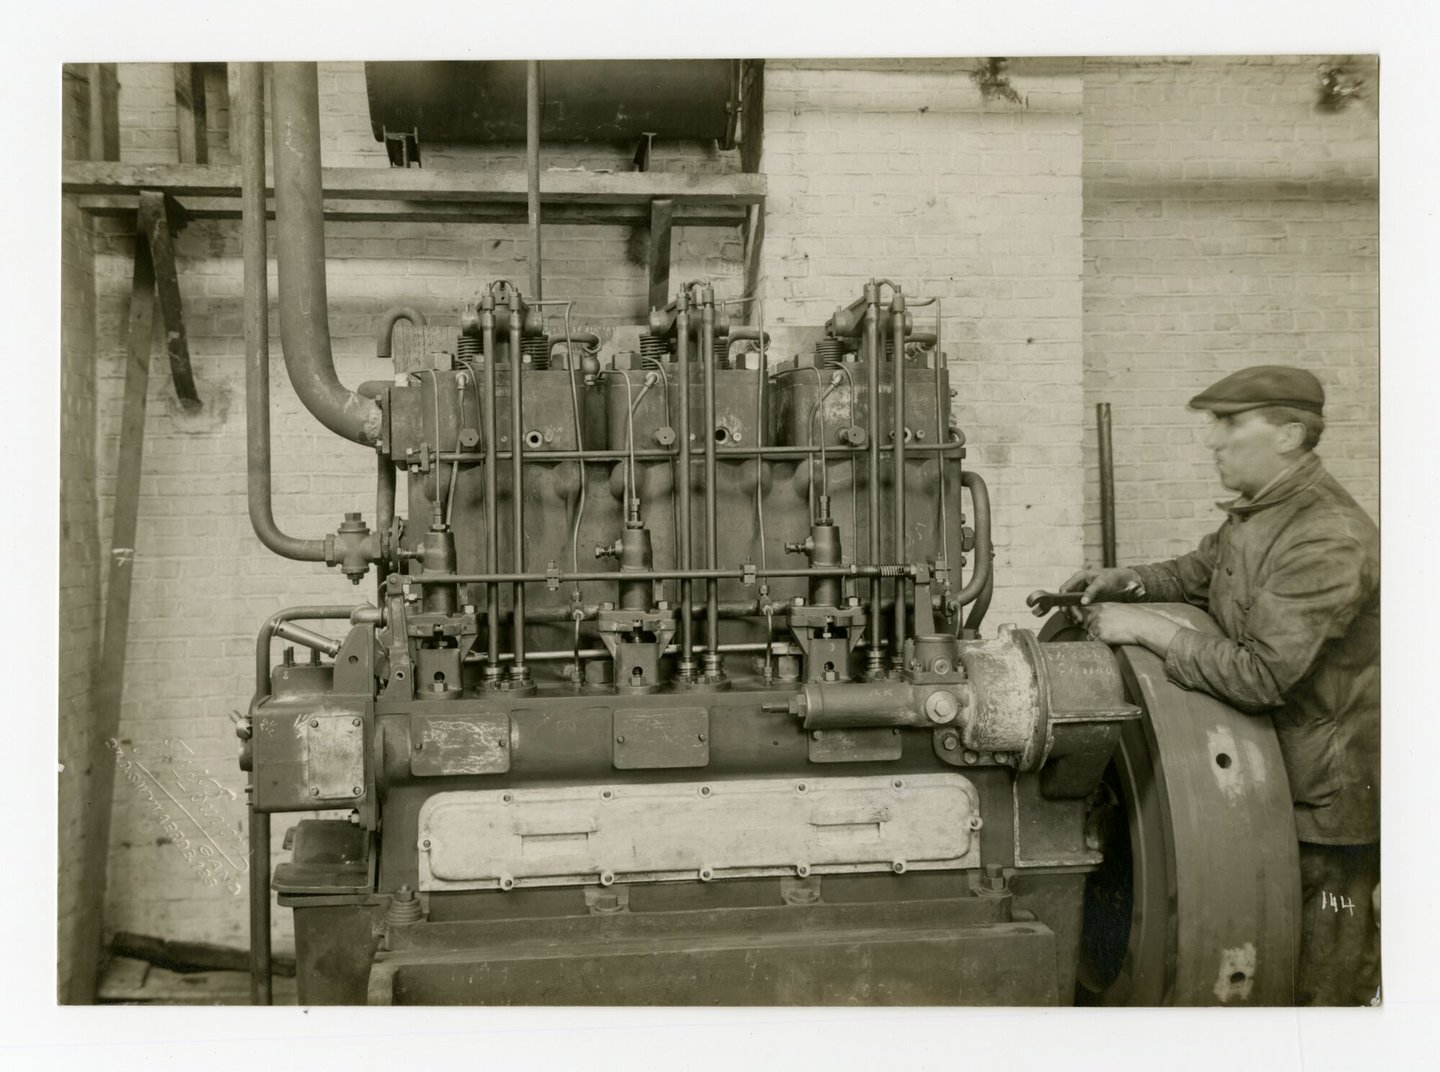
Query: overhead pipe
[[300, 229], [257, 324]]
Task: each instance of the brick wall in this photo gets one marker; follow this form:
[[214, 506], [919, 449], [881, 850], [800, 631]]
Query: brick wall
[[1228, 222], [79, 544], [897, 169]]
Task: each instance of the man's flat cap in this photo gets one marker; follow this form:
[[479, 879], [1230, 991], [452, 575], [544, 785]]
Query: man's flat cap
[[1262, 385]]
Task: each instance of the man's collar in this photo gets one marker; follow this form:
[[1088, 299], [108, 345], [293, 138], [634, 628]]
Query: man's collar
[[1285, 484]]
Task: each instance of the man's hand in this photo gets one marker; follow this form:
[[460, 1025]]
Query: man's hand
[[1111, 584], [1118, 623]]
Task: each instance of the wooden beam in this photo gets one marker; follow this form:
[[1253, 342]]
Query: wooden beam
[[104, 111], [110, 677], [458, 212], [662, 215], [190, 113], [420, 184]]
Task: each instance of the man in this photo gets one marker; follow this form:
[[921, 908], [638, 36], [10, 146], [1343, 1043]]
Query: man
[[1293, 579]]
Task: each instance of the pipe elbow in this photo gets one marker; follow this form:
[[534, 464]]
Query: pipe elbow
[[385, 335]]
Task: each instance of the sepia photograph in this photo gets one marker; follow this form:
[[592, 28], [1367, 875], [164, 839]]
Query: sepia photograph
[[741, 529]]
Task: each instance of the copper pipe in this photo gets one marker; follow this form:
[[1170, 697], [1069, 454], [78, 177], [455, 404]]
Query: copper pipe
[[532, 173]]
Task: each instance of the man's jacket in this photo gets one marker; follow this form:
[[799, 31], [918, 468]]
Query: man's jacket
[[1293, 579]]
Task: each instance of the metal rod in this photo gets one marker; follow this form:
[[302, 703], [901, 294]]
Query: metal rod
[[308, 638], [872, 386], [712, 527], [685, 491], [699, 574], [1107, 486], [251, 108], [492, 488], [897, 421], [532, 173], [517, 489], [666, 454]]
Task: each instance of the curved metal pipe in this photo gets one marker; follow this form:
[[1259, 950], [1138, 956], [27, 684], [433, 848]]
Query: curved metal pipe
[[257, 325], [300, 230], [981, 583], [385, 335]]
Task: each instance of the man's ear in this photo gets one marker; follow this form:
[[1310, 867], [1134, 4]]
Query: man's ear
[[1289, 437]]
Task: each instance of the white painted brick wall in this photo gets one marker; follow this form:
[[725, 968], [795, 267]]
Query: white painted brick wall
[[895, 169], [1228, 222]]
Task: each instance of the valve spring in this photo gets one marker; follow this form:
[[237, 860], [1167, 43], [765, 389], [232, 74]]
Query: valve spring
[[538, 351], [468, 347], [654, 347], [829, 352]]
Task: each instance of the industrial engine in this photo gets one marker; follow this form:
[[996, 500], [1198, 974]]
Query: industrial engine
[[667, 681]]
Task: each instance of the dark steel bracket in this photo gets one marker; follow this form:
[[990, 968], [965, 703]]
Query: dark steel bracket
[[403, 147], [160, 217]]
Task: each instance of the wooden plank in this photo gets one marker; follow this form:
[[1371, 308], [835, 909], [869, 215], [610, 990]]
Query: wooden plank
[[133, 982], [110, 676], [190, 113], [662, 215], [422, 184], [457, 212], [104, 112], [154, 220]]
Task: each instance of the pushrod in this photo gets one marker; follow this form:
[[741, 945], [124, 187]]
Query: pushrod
[[665, 453], [872, 384], [712, 527], [492, 489], [897, 421], [517, 491], [685, 491]]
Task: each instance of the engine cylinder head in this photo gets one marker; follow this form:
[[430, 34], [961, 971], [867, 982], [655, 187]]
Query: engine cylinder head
[[537, 351]]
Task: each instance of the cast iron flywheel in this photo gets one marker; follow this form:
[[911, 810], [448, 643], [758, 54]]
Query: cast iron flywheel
[[1197, 902]]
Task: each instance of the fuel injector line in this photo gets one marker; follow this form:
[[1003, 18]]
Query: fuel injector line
[[257, 325], [874, 666], [492, 491], [897, 366], [518, 674], [663, 453], [712, 532], [685, 491]]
